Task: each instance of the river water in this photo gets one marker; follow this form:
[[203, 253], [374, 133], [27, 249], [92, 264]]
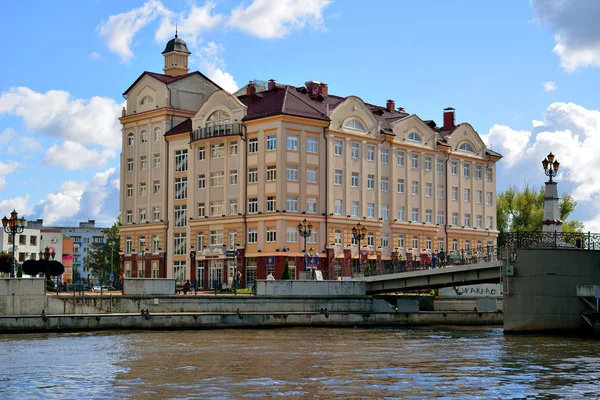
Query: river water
[[433, 362]]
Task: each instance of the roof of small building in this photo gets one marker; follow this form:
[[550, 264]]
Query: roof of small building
[[176, 44], [185, 126], [167, 79]]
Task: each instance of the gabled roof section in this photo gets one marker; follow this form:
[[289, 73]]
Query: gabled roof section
[[167, 79], [185, 126], [286, 100]]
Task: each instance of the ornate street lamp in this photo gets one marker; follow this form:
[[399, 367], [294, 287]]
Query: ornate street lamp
[[550, 166], [13, 226], [358, 233], [305, 230]]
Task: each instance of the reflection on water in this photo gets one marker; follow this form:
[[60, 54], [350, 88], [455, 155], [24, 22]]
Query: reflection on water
[[299, 363]]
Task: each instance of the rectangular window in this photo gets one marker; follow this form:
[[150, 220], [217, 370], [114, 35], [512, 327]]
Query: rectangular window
[[313, 238], [252, 235], [354, 179], [371, 210], [385, 184], [454, 193], [383, 212], [440, 217], [355, 150], [130, 190], [252, 175], [217, 150], [253, 145], [233, 207], [271, 173], [400, 158], [217, 179], [201, 153], [414, 161], [233, 177], [400, 186], [454, 218], [488, 174], [181, 164], [401, 241], [156, 187], [142, 216], [490, 223], [440, 166], [271, 142], [142, 189], [216, 238], [370, 153], [292, 142], [233, 148], [337, 147], [292, 234], [271, 203], [454, 167], [271, 235], [478, 172], [371, 182], [216, 208], [337, 207], [384, 156], [311, 205], [385, 240], [311, 175], [129, 217], [156, 213], [415, 214], [292, 173], [252, 205], [180, 216], [143, 162], [400, 214], [467, 195], [354, 209], [201, 210], [311, 145], [468, 220], [478, 196], [292, 203], [427, 163], [415, 188], [156, 161], [489, 198], [337, 179], [201, 181], [466, 170], [179, 244], [440, 192], [129, 164], [479, 221], [428, 190], [428, 216]]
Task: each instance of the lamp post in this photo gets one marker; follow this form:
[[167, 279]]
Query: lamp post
[[550, 166], [13, 226], [305, 230], [395, 254], [358, 233]]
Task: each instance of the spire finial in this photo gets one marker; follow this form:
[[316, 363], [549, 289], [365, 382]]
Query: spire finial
[[175, 30]]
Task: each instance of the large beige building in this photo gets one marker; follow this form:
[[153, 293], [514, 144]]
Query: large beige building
[[203, 171]]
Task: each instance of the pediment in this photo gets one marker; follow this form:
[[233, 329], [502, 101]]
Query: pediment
[[352, 113], [220, 102], [411, 127]]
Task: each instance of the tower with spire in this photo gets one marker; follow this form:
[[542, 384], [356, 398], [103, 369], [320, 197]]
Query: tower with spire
[[176, 56]]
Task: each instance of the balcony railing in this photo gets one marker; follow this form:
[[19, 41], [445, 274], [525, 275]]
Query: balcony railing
[[216, 131], [552, 240]]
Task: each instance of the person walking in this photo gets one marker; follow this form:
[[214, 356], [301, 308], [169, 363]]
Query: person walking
[[442, 256], [433, 260]]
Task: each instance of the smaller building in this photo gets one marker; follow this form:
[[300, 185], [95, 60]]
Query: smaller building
[[27, 244]]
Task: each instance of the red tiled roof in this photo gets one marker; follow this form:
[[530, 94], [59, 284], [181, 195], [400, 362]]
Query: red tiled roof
[[286, 100], [166, 79], [185, 126]]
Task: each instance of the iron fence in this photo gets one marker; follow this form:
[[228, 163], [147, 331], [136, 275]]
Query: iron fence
[[552, 240], [217, 130]]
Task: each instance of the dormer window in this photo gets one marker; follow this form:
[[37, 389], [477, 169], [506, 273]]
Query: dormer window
[[130, 139], [466, 147], [146, 100], [354, 125], [414, 137]]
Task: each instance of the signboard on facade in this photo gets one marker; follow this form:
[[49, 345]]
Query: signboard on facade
[[482, 290]]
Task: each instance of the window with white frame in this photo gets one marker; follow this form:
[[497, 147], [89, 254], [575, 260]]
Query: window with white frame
[[468, 220], [355, 150], [490, 223], [415, 188], [385, 184], [233, 177], [370, 239], [454, 167], [201, 153], [467, 195], [217, 179], [271, 235], [354, 209], [252, 205], [466, 147], [181, 163], [292, 203], [252, 145], [427, 163], [156, 134], [337, 147], [201, 181], [129, 190], [312, 145], [180, 216], [292, 142], [271, 173], [385, 240], [292, 172], [337, 207], [467, 245], [252, 235], [252, 175], [217, 150], [479, 221], [142, 215], [383, 212], [354, 124], [311, 175], [130, 139], [233, 148], [489, 198], [454, 245], [232, 239], [200, 244], [401, 241], [201, 210], [414, 161], [400, 158], [401, 213], [143, 162], [478, 172], [440, 166], [371, 210], [354, 179], [454, 192], [415, 242], [216, 237], [144, 137], [292, 234], [129, 164], [488, 174], [216, 208], [370, 153], [428, 189], [155, 243], [414, 137], [142, 189], [337, 178], [180, 188], [440, 217], [337, 237], [455, 218], [156, 161], [271, 142], [233, 207], [313, 238], [428, 216], [415, 214], [156, 213], [400, 185], [179, 243], [271, 203], [155, 187], [128, 245], [384, 156], [466, 170], [440, 192], [428, 243], [371, 182], [311, 205], [440, 244]]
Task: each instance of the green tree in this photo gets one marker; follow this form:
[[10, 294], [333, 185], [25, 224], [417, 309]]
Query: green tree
[[99, 255], [285, 276], [524, 211]]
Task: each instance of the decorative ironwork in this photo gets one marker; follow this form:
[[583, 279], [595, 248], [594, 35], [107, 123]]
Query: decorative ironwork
[[216, 131], [552, 240]]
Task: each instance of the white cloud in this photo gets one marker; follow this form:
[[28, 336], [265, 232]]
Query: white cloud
[[574, 24], [18, 204], [94, 55], [97, 199], [5, 169], [214, 66], [269, 19], [118, 30], [14, 143], [549, 86], [190, 26], [510, 143], [72, 155], [56, 114]]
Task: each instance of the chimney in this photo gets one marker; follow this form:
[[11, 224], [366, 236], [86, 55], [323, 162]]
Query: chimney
[[323, 90], [312, 86], [390, 105], [250, 89], [401, 110], [271, 84], [448, 119]]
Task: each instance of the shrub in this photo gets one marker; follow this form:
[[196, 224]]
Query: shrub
[[285, 276]]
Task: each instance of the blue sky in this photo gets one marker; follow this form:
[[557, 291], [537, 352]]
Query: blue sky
[[524, 74]]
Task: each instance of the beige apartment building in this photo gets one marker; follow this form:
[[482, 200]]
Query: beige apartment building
[[204, 171]]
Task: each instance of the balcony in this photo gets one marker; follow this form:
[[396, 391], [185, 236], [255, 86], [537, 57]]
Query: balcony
[[216, 131]]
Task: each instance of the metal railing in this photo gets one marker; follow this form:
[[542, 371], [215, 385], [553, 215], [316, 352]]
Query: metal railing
[[421, 262], [552, 240], [216, 131]]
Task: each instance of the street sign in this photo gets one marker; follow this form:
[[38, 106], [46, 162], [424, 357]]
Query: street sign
[[510, 271], [230, 253], [111, 276]]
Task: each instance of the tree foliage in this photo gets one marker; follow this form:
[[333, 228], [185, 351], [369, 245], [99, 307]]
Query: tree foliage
[[285, 276], [99, 254], [524, 210]]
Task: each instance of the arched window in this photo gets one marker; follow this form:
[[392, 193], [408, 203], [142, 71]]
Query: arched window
[[130, 139], [479, 245], [142, 244], [467, 245], [219, 117], [466, 147], [144, 137], [401, 241], [128, 245], [155, 244], [232, 238], [414, 137], [337, 237], [428, 243], [454, 245], [415, 242], [371, 239], [146, 100], [156, 134], [200, 241], [355, 125]]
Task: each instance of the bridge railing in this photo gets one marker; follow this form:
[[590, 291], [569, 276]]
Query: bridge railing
[[421, 262], [552, 240]]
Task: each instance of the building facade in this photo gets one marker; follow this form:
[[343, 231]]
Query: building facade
[[243, 171], [27, 244]]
